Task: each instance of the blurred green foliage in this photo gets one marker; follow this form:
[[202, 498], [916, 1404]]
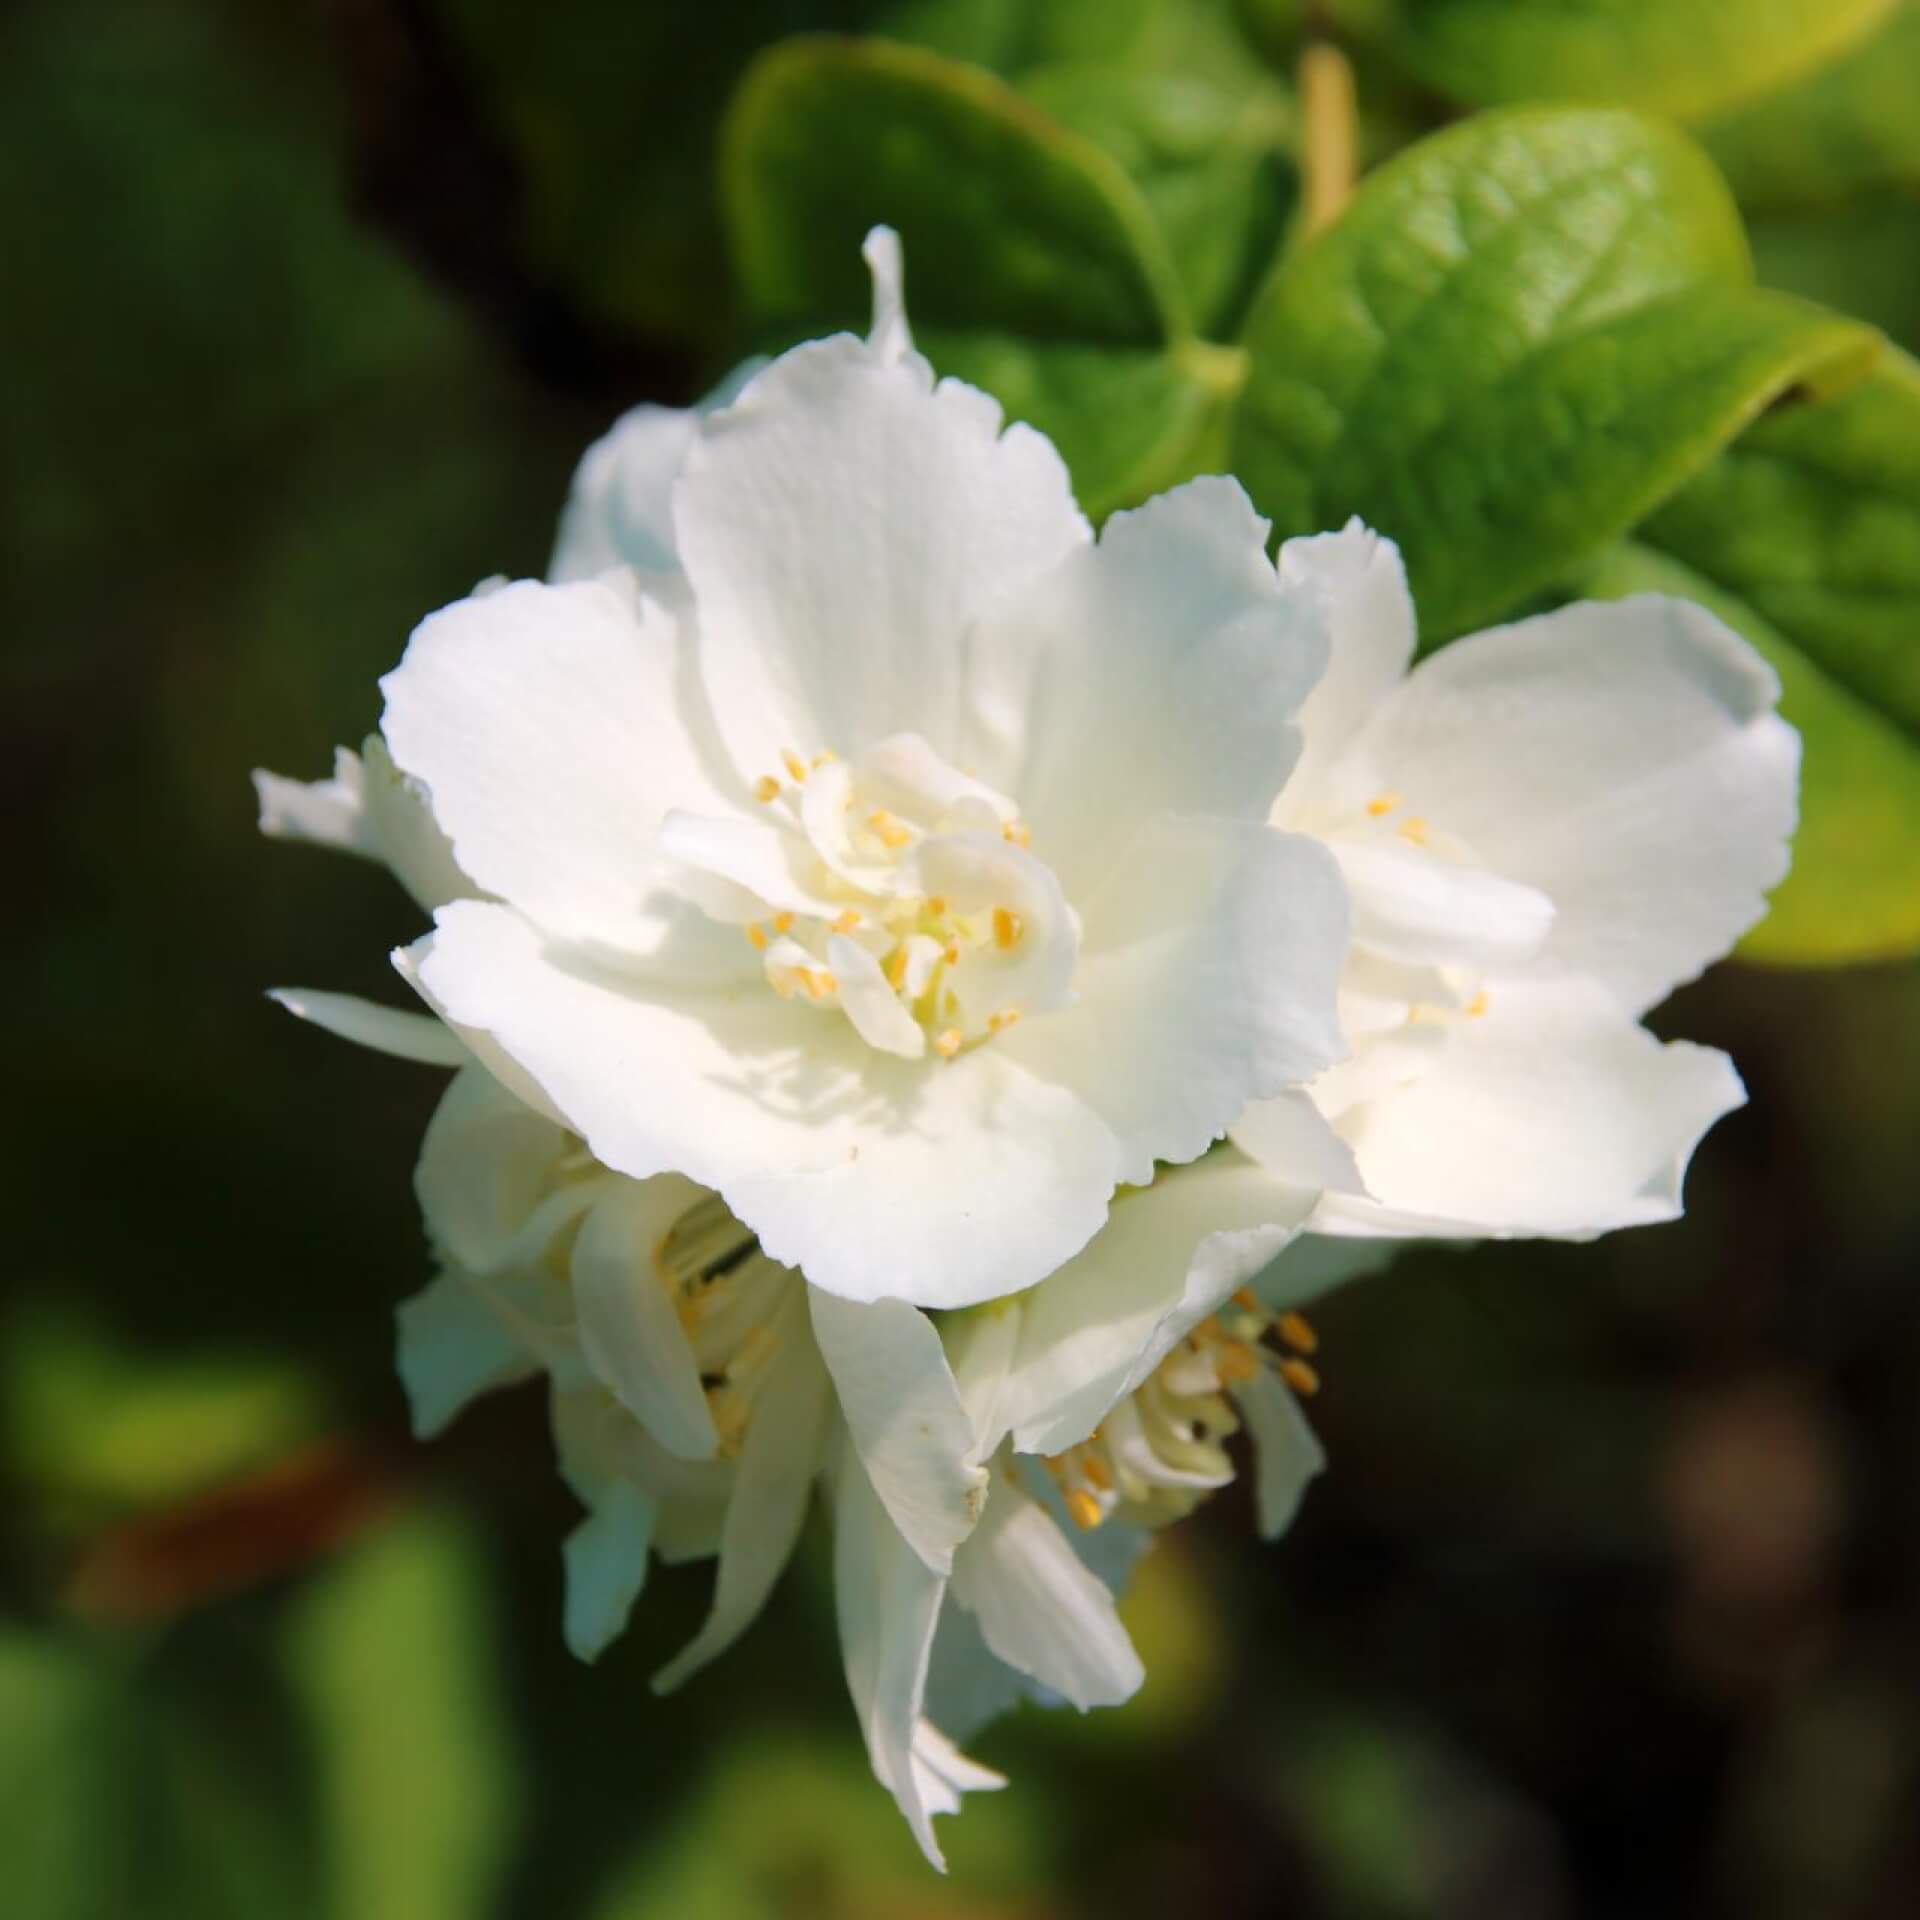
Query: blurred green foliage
[[1611, 1604]]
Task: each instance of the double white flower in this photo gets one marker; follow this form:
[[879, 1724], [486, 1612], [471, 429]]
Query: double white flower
[[849, 868]]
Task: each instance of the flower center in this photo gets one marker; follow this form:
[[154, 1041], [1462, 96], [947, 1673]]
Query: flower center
[[896, 889], [1162, 1450], [726, 1293]]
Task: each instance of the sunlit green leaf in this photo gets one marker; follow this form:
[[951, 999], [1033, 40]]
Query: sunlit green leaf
[[393, 1656], [1682, 57], [1851, 894], [1520, 337]]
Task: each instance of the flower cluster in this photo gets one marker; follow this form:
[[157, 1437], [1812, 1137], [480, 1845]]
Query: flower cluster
[[859, 893]]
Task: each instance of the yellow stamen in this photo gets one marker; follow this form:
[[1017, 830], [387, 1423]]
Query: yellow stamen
[[847, 922], [1007, 927], [999, 1022], [1477, 1005], [1413, 831], [952, 956], [1097, 1470], [820, 982], [937, 905], [795, 766], [1295, 1331], [1382, 804], [947, 1044], [1018, 832], [887, 829], [1300, 1377], [766, 789], [896, 968], [756, 935], [783, 922], [1084, 1508], [1246, 1297], [825, 759], [1235, 1361]]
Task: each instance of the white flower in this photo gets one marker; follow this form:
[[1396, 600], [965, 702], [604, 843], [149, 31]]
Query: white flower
[[1544, 829], [700, 1392], [889, 857]]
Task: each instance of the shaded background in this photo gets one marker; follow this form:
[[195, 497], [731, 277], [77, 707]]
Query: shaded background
[[1610, 1605]]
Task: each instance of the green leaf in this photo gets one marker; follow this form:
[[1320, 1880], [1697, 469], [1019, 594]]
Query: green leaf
[[1850, 895], [1522, 335], [1863, 257], [1688, 58], [1855, 123], [1033, 264], [393, 1655], [1814, 517]]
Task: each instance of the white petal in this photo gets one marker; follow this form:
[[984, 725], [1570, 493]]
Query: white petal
[[1415, 908], [887, 337], [1286, 1451], [878, 1014], [768, 862], [410, 840], [786, 1433], [1157, 672], [1552, 1113], [943, 1773], [1293, 1141], [1166, 1258], [1357, 576], [451, 1349], [619, 510], [323, 813], [844, 511], [1623, 758], [606, 1563], [968, 1685], [553, 730], [389, 1030], [1039, 1608], [978, 872], [903, 1409], [1207, 980], [888, 1600], [877, 1178], [629, 1333]]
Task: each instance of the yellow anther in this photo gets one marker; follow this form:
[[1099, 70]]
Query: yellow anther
[[1382, 804], [1246, 1297], [766, 789], [1296, 1332], [756, 934], [847, 922], [1001, 1021], [781, 980], [947, 1044], [825, 759], [1084, 1509], [952, 956], [896, 968], [1007, 927], [887, 829], [937, 905], [1018, 832], [1477, 1005], [783, 922], [820, 982], [1300, 1377], [795, 766], [1413, 831], [1094, 1466], [1235, 1361]]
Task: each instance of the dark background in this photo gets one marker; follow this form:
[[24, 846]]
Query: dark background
[[1610, 1604]]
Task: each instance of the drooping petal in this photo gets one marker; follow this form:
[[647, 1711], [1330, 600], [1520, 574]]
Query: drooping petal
[[410, 839], [1167, 1257], [629, 1332], [1624, 759], [968, 1684], [619, 510], [1286, 1451], [888, 1600], [1158, 672], [1553, 1113], [875, 1177], [942, 1773], [1207, 980], [323, 813], [904, 1412], [606, 1564], [1361, 585], [554, 730], [389, 1030], [783, 1450], [845, 508], [1039, 1608], [1290, 1137], [451, 1349]]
